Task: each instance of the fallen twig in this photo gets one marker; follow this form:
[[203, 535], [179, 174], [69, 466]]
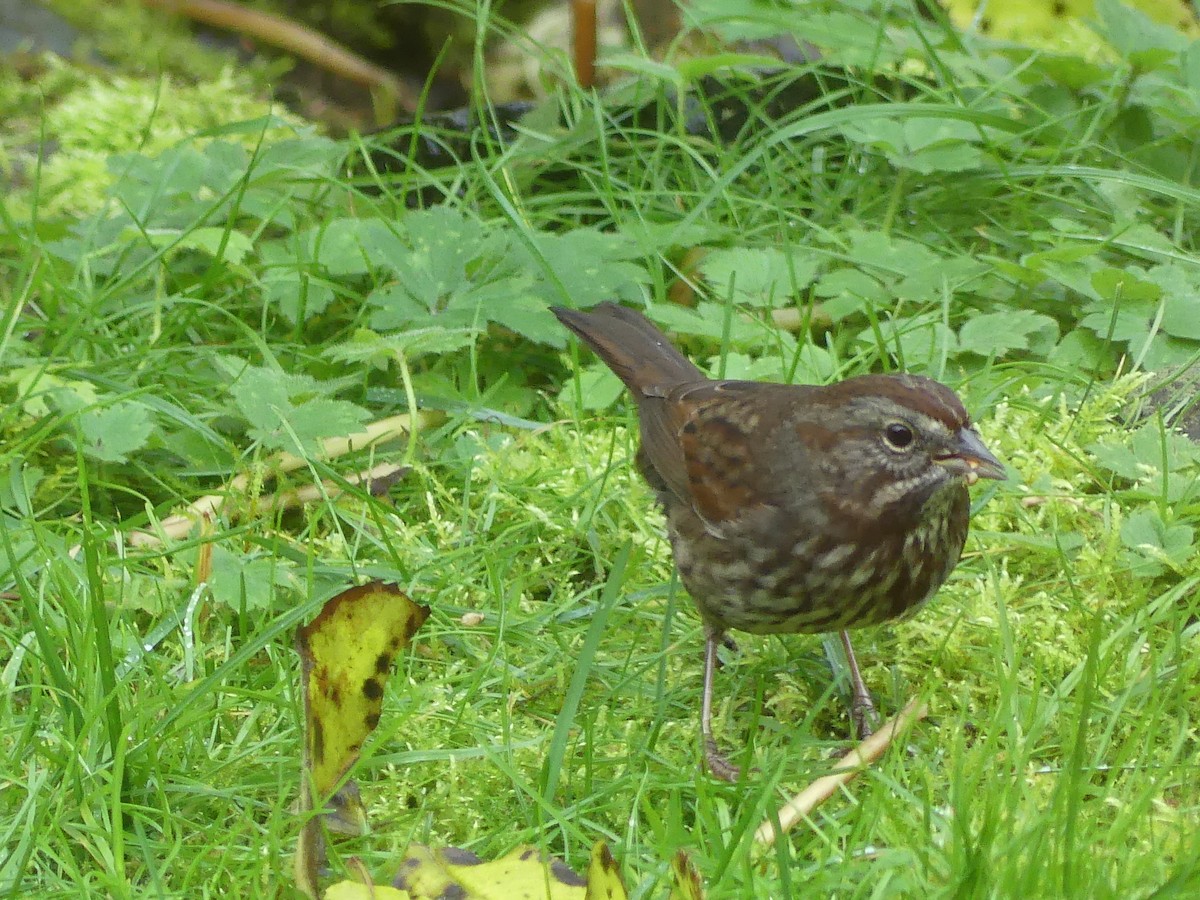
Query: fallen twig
[[800, 806], [300, 40], [377, 479]]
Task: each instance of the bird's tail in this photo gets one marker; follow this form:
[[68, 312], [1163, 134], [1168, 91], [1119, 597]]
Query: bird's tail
[[631, 346]]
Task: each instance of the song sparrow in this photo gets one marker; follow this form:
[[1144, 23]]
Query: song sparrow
[[795, 508]]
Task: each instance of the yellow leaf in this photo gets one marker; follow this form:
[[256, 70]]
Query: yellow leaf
[[1059, 25], [524, 872], [352, 890], [685, 879], [604, 876], [346, 654]]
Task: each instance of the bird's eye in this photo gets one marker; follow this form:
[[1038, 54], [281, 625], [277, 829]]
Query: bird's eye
[[898, 436]]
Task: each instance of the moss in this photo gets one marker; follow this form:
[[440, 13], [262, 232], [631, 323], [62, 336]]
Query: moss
[[138, 40], [94, 116]]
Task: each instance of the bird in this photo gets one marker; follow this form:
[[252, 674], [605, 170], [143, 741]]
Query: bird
[[795, 508]]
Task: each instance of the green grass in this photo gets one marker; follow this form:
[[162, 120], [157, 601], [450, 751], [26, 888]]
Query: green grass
[[1028, 244]]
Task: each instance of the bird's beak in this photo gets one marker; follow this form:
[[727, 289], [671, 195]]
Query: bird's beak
[[970, 459]]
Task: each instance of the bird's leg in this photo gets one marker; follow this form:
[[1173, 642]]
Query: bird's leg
[[716, 761], [862, 707]]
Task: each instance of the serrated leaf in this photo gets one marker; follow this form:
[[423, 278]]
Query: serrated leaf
[[370, 348], [260, 392], [583, 267], [224, 243], [1155, 545], [297, 295], [238, 579], [953, 156], [1140, 456], [1164, 352], [311, 421], [529, 317], [995, 334], [39, 390], [111, 433], [930, 283], [394, 306], [598, 387], [441, 245], [914, 341], [1128, 321], [1081, 349], [922, 144], [1136, 36], [308, 156], [759, 277], [742, 367], [435, 339], [710, 320], [343, 246], [1181, 300], [660, 236], [640, 64], [1124, 284], [286, 412], [848, 291], [897, 256]]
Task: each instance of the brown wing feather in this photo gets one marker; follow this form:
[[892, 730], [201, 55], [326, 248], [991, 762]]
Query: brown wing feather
[[716, 425], [697, 434]]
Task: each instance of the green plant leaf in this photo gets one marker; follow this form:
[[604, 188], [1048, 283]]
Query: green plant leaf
[[1124, 285], [583, 267], [1153, 545], [1181, 300], [1140, 456], [759, 277], [349, 246], [931, 283], [299, 296], [884, 253], [1136, 36], [598, 387], [914, 341], [711, 320], [996, 334], [1081, 349], [231, 246], [529, 317], [238, 579], [849, 291], [924, 145], [287, 412], [1125, 321], [111, 433]]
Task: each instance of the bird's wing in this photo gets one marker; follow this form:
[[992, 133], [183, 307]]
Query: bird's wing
[[701, 439]]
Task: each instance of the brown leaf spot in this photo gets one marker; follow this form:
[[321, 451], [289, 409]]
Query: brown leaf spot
[[318, 741], [414, 622], [457, 856], [372, 688], [566, 875]]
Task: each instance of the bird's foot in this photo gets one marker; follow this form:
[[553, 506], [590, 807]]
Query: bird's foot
[[863, 716], [718, 763]]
